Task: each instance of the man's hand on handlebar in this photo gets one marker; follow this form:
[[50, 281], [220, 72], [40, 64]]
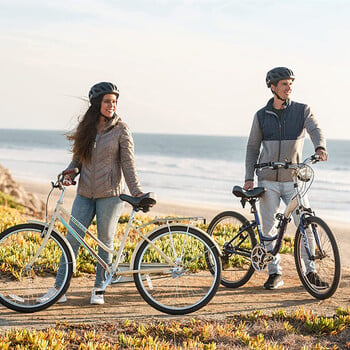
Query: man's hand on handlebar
[[322, 153], [248, 185]]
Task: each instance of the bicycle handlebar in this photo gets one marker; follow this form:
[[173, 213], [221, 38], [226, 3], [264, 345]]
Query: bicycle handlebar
[[61, 175], [72, 171], [288, 165]]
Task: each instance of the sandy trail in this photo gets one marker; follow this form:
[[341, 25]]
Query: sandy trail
[[124, 302]]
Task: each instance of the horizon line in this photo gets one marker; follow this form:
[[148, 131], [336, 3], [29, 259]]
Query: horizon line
[[162, 133]]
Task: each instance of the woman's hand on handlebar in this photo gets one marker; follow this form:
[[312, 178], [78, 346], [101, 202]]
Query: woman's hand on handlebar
[[67, 181]]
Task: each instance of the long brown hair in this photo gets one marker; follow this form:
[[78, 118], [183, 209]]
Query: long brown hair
[[83, 137]]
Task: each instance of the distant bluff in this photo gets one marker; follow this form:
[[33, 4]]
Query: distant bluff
[[31, 203]]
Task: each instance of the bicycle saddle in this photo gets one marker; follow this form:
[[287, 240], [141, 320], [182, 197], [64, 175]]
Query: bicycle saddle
[[257, 192], [143, 203]]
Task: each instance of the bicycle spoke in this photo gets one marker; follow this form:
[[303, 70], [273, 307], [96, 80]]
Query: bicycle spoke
[[191, 282], [321, 274], [23, 281], [235, 247]]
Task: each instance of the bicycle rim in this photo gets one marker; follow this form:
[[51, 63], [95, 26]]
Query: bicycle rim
[[189, 283], [24, 283], [236, 258], [326, 262]]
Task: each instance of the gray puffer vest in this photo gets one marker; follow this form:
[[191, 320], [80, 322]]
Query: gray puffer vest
[[275, 139]]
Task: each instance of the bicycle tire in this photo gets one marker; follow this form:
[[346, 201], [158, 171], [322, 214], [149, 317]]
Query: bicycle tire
[[237, 268], [23, 289], [188, 286], [328, 268]]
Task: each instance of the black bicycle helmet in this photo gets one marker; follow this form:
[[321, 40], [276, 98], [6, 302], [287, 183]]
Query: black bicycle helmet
[[103, 88], [279, 73]]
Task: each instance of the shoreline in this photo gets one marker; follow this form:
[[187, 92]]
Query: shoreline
[[162, 208], [175, 208]]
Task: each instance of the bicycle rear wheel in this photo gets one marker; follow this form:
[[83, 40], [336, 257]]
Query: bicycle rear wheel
[[325, 262], [189, 282], [24, 283], [236, 256]]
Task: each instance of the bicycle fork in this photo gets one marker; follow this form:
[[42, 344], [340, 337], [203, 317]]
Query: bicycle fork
[[303, 227]]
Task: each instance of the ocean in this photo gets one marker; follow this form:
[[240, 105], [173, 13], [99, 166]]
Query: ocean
[[193, 169]]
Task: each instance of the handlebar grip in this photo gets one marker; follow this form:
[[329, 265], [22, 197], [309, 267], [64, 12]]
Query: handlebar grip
[[262, 165], [72, 171], [315, 158]]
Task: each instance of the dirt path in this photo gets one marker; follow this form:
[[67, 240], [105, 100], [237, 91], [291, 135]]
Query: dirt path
[[123, 301]]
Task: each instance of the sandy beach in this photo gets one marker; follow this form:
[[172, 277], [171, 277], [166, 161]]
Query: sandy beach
[[173, 208]]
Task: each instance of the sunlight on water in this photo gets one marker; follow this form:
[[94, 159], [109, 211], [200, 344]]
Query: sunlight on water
[[180, 167]]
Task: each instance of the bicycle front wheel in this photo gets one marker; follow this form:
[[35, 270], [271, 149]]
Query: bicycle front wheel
[[236, 247], [27, 281], [181, 269], [320, 275]]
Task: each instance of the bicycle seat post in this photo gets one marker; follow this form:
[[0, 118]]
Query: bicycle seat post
[[252, 203]]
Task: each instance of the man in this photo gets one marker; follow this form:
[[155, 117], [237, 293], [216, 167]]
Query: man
[[277, 135]]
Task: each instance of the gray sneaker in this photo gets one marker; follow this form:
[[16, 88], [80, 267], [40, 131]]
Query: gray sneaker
[[50, 294], [316, 280], [274, 281]]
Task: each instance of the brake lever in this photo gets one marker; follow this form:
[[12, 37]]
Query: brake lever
[[286, 166], [315, 158]]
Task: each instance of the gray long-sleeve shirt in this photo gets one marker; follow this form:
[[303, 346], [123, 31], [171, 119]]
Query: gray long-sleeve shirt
[[278, 139]]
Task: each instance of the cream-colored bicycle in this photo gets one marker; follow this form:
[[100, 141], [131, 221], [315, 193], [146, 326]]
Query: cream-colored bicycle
[[176, 267]]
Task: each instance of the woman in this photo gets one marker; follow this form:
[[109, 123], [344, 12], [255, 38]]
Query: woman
[[102, 150]]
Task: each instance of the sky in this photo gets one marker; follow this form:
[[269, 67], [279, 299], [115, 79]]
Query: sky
[[182, 66]]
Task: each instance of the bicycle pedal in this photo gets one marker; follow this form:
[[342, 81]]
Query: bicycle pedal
[[268, 257], [225, 263]]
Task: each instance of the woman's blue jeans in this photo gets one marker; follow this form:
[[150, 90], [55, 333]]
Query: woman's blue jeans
[[107, 211]]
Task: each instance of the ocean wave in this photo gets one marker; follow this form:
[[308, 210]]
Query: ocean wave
[[178, 166], [35, 155]]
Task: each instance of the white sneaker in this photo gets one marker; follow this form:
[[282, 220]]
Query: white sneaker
[[51, 292], [96, 299]]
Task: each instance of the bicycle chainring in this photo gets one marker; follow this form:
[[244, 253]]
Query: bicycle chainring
[[259, 257], [115, 279], [226, 254]]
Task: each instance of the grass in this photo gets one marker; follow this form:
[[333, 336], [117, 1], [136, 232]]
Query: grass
[[12, 214], [9, 201], [280, 330], [301, 329], [17, 250]]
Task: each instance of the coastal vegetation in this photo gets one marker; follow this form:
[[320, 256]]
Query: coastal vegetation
[[280, 330], [300, 329]]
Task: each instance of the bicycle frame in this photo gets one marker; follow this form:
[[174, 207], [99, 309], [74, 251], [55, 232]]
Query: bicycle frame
[[294, 203], [112, 270]]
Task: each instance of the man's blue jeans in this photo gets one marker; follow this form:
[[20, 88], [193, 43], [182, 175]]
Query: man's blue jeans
[[107, 211]]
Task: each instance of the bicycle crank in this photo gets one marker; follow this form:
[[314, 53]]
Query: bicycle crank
[[115, 278]]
